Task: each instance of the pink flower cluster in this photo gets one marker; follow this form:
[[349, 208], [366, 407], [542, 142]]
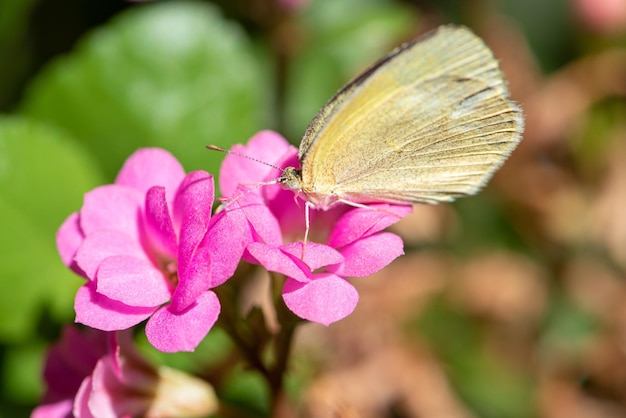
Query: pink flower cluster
[[150, 248], [352, 244], [99, 374]]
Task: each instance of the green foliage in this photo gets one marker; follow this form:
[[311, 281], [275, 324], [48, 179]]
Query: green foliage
[[211, 353], [174, 75], [43, 174], [14, 16], [329, 57], [493, 388], [22, 375], [248, 391]]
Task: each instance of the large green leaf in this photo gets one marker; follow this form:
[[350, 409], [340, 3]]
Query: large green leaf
[[43, 175], [174, 75]]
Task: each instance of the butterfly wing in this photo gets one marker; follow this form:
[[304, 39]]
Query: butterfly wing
[[429, 122]]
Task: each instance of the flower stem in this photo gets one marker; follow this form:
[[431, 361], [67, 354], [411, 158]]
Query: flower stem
[[282, 342], [238, 329], [252, 342]]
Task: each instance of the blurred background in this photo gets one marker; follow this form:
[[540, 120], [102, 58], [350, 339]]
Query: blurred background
[[509, 304]]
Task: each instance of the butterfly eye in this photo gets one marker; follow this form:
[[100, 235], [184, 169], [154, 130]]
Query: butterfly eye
[[291, 179]]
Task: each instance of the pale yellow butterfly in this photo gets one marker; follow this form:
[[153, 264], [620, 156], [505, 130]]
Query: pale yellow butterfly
[[429, 122]]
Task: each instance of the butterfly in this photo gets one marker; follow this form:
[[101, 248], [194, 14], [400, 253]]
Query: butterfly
[[429, 122]]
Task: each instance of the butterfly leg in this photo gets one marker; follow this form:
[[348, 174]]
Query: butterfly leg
[[307, 223]]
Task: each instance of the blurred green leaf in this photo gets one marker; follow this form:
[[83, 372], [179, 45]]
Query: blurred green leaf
[[450, 331], [14, 48], [491, 387], [22, 372], [211, 352], [343, 38], [548, 27], [13, 18], [304, 367], [484, 224], [174, 75], [247, 390], [599, 136], [569, 330], [43, 175]]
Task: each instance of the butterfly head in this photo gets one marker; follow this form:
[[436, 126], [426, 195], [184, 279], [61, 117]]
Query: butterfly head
[[291, 179]]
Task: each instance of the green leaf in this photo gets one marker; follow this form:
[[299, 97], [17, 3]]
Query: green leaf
[[15, 50], [212, 352], [549, 32], [43, 175], [174, 75], [22, 372], [484, 224], [569, 329], [487, 383], [345, 36], [246, 390], [14, 19]]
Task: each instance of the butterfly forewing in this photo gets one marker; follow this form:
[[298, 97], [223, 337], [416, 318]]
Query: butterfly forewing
[[429, 122]]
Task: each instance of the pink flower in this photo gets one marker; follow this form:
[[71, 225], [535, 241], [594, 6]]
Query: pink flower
[[99, 374], [353, 246], [149, 248], [67, 364], [602, 16]]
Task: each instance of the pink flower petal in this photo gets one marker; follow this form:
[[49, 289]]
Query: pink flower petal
[[228, 229], [192, 211], [171, 332], [100, 400], [110, 397], [72, 359], [325, 299], [158, 222], [315, 255], [61, 409], [68, 237], [263, 225], [103, 244], [369, 255], [266, 146], [151, 167], [100, 312], [68, 363], [288, 210], [273, 259], [112, 207], [132, 281], [359, 222], [127, 364], [193, 281], [81, 401]]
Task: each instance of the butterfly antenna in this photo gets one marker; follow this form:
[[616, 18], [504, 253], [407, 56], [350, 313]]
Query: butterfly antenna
[[253, 186], [227, 151]]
